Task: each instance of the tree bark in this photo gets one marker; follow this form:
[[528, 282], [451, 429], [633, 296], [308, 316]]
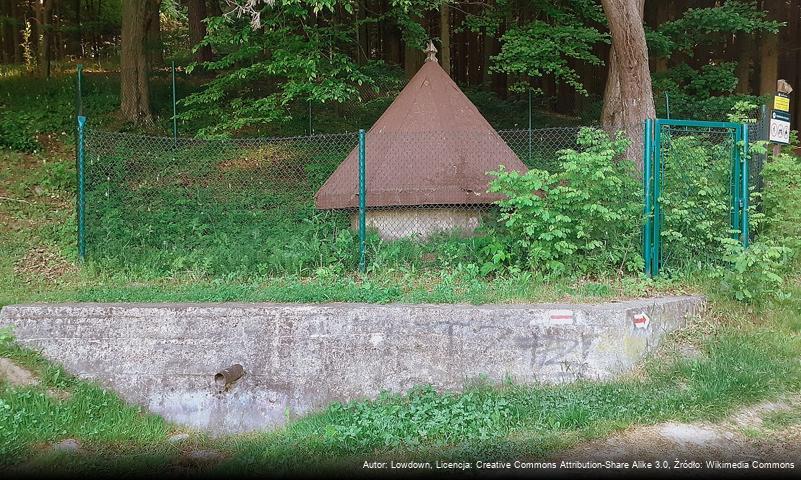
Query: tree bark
[[769, 51], [14, 35], [362, 35], [197, 29], [744, 46], [391, 41], [445, 37], [77, 49], [5, 27], [636, 101], [44, 10], [214, 8], [134, 67], [154, 47], [413, 58]]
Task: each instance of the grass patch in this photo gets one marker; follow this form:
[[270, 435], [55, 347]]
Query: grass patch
[[744, 358]]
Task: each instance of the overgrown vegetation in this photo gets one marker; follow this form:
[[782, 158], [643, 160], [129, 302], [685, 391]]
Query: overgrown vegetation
[[583, 218]]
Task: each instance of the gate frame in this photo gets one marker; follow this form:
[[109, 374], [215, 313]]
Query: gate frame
[[652, 184]]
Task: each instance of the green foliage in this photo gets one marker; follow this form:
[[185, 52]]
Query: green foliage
[[541, 48], [695, 198], [283, 58], [782, 201], [755, 274], [702, 94], [705, 92], [420, 416], [705, 26], [561, 34], [584, 218], [17, 132]]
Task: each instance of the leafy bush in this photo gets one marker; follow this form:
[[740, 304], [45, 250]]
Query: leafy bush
[[585, 217], [782, 201], [16, 132], [695, 199], [755, 274]]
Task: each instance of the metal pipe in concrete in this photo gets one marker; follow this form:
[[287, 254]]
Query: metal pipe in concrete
[[227, 376]]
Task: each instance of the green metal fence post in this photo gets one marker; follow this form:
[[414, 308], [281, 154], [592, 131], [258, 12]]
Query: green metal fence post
[[78, 91], [81, 197], [174, 109], [648, 188], [736, 184], [656, 239], [744, 189], [362, 202]]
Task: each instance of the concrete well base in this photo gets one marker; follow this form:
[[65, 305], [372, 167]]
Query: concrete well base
[[300, 358], [393, 223]]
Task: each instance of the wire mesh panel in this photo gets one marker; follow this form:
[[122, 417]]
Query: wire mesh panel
[[698, 185], [290, 205], [215, 206], [539, 148]]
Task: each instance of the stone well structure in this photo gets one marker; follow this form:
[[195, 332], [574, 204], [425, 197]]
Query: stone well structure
[[427, 162]]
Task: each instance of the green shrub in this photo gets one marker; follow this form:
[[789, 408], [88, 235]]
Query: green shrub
[[16, 132], [695, 200], [755, 274], [781, 199], [585, 217]]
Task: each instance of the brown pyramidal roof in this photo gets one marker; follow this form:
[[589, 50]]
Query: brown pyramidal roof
[[430, 147]]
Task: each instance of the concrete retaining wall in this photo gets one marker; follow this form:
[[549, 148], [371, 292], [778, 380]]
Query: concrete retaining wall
[[300, 358]]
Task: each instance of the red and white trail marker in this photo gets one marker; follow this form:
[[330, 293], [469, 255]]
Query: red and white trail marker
[[560, 317], [642, 320]]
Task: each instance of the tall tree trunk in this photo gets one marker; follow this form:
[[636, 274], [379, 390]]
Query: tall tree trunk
[[77, 46], [445, 37], [500, 81], [44, 10], [15, 33], [796, 33], [134, 68], [413, 58], [153, 45], [5, 27], [612, 112], [459, 60], [197, 29], [391, 40], [769, 51], [744, 48], [362, 36], [214, 8], [636, 101]]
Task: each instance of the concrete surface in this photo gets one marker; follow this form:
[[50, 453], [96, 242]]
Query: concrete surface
[[299, 358], [393, 223]]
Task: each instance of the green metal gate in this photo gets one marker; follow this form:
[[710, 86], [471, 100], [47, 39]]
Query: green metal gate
[[697, 172]]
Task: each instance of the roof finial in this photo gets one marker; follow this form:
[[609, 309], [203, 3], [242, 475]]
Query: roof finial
[[431, 52]]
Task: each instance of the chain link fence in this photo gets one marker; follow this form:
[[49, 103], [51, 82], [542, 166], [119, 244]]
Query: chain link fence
[[161, 205], [698, 191]]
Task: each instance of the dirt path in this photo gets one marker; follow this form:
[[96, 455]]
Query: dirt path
[[766, 433]]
